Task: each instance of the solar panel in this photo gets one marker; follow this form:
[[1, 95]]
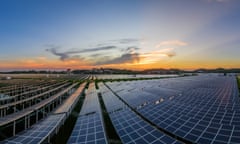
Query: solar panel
[[88, 129], [39, 132], [68, 105], [112, 102], [15, 116], [206, 110], [89, 126], [91, 103], [132, 128], [129, 126]]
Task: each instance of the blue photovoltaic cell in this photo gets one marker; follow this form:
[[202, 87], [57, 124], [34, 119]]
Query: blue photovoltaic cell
[[112, 102], [89, 125], [39, 132], [201, 109], [129, 126], [132, 128], [205, 109], [88, 129], [91, 103]]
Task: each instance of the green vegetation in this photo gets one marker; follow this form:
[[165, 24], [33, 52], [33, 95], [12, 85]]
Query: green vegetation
[[87, 85], [128, 79], [3, 85], [96, 84]]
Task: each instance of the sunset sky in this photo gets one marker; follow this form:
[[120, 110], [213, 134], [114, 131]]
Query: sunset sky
[[132, 34]]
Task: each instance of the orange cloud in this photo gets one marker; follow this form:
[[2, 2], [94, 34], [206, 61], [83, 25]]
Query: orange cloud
[[44, 63]]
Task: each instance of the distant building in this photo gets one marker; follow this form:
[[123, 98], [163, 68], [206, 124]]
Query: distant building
[[69, 71]]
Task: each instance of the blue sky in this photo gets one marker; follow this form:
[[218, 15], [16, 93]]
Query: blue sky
[[135, 34]]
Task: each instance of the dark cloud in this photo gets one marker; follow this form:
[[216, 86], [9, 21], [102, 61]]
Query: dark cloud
[[96, 55], [133, 48], [125, 58], [95, 49], [67, 54], [62, 56], [171, 54], [127, 40], [119, 41]]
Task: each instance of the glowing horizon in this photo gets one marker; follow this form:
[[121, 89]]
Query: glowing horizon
[[122, 34]]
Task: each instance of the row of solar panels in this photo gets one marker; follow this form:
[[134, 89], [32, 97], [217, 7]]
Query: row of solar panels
[[34, 109], [18, 86], [43, 130], [199, 109], [119, 76], [36, 91], [89, 127], [19, 92], [164, 115], [21, 86], [26, 93], [131, 127]]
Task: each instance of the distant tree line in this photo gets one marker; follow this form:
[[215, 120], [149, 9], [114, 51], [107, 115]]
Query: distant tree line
[[219, 70], [34, 72], [125, 71]]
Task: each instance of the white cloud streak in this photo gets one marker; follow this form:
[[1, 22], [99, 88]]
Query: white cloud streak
[[171, 43]]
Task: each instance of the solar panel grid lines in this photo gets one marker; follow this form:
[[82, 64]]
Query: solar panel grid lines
[[18, 94], [125, 129], [109, 99], [91, 103], [16, 88], [13, 117], [146, 97], [39, 132], [89, 127], [54, 97], [191, 110], [68, 105], [33, 97], [18, 114], [50, 120], [40, 89], [34, 88], [212, 101], [235, 136], [132, 128]]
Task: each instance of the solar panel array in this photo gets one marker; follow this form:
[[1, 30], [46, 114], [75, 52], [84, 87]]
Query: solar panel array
[[89, 127], [202, 109], [110, 100], [199, 109], [129, 126], [68, 105], [91, 103], [26, 112], [124, 76], [39, 132]]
